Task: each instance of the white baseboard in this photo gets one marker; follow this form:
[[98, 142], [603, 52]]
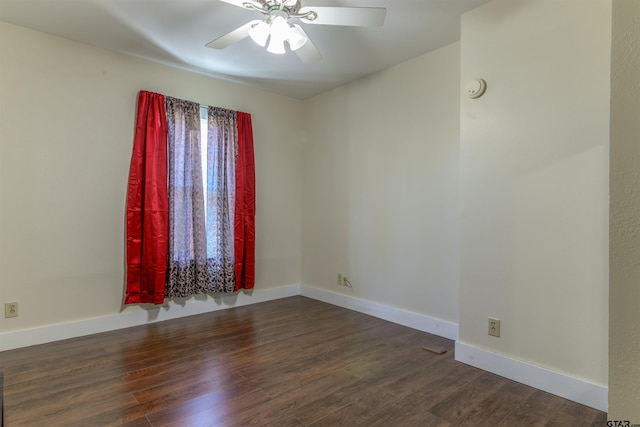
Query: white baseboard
[[583, 392], [136, 317], [400, 316]]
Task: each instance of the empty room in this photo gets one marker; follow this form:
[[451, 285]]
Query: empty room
[[320, 212]]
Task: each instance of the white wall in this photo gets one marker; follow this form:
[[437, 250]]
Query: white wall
[[380, 181], [624, 286], [67, 114], [534, 183]]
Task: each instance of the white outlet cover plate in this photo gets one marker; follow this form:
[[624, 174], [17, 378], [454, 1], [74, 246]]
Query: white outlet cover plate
[[494, 327], [10, 309]]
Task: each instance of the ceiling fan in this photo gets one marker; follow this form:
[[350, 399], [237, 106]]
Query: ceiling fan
[[277, 26]]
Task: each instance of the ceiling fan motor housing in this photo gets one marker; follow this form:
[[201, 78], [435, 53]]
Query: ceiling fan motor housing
[[274, 8]]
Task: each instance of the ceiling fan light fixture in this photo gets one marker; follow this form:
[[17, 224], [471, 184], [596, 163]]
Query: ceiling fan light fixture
[[297, 37], [279, 27], [259, 33], [279, 33], [276, 44]]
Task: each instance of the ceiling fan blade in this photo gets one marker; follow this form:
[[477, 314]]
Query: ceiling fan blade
[[351, 16], [308, 52], [232, 36]]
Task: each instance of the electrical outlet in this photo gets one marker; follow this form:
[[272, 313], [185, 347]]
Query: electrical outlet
[[494, 327], [10, 309], [340, 280]]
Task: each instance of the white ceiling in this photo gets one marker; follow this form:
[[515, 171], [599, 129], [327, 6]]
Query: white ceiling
[[175, 32]]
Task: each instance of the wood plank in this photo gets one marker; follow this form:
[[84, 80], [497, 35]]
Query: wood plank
[[492, 410], [472, 395], [536, 410], [288, 405], [572, 414]]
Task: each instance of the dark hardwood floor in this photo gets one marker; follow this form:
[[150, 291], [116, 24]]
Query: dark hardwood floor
[[289, 362]]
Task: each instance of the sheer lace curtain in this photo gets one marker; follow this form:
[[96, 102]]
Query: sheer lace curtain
[[222, 150], [200, 219], [187, 266]]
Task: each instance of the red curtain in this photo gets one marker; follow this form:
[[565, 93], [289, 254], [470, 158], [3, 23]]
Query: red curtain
[[245, 206], [148, 204]]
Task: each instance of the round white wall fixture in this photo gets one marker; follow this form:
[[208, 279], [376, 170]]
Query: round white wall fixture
[[475, 88]]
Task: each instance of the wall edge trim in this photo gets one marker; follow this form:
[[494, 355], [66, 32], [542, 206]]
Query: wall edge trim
[[563, 385], [397, 315], [126, 319]]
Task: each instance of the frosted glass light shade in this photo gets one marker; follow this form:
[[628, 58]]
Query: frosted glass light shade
[[279, 28], [276, 45], [297, 37], [259, 33]]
